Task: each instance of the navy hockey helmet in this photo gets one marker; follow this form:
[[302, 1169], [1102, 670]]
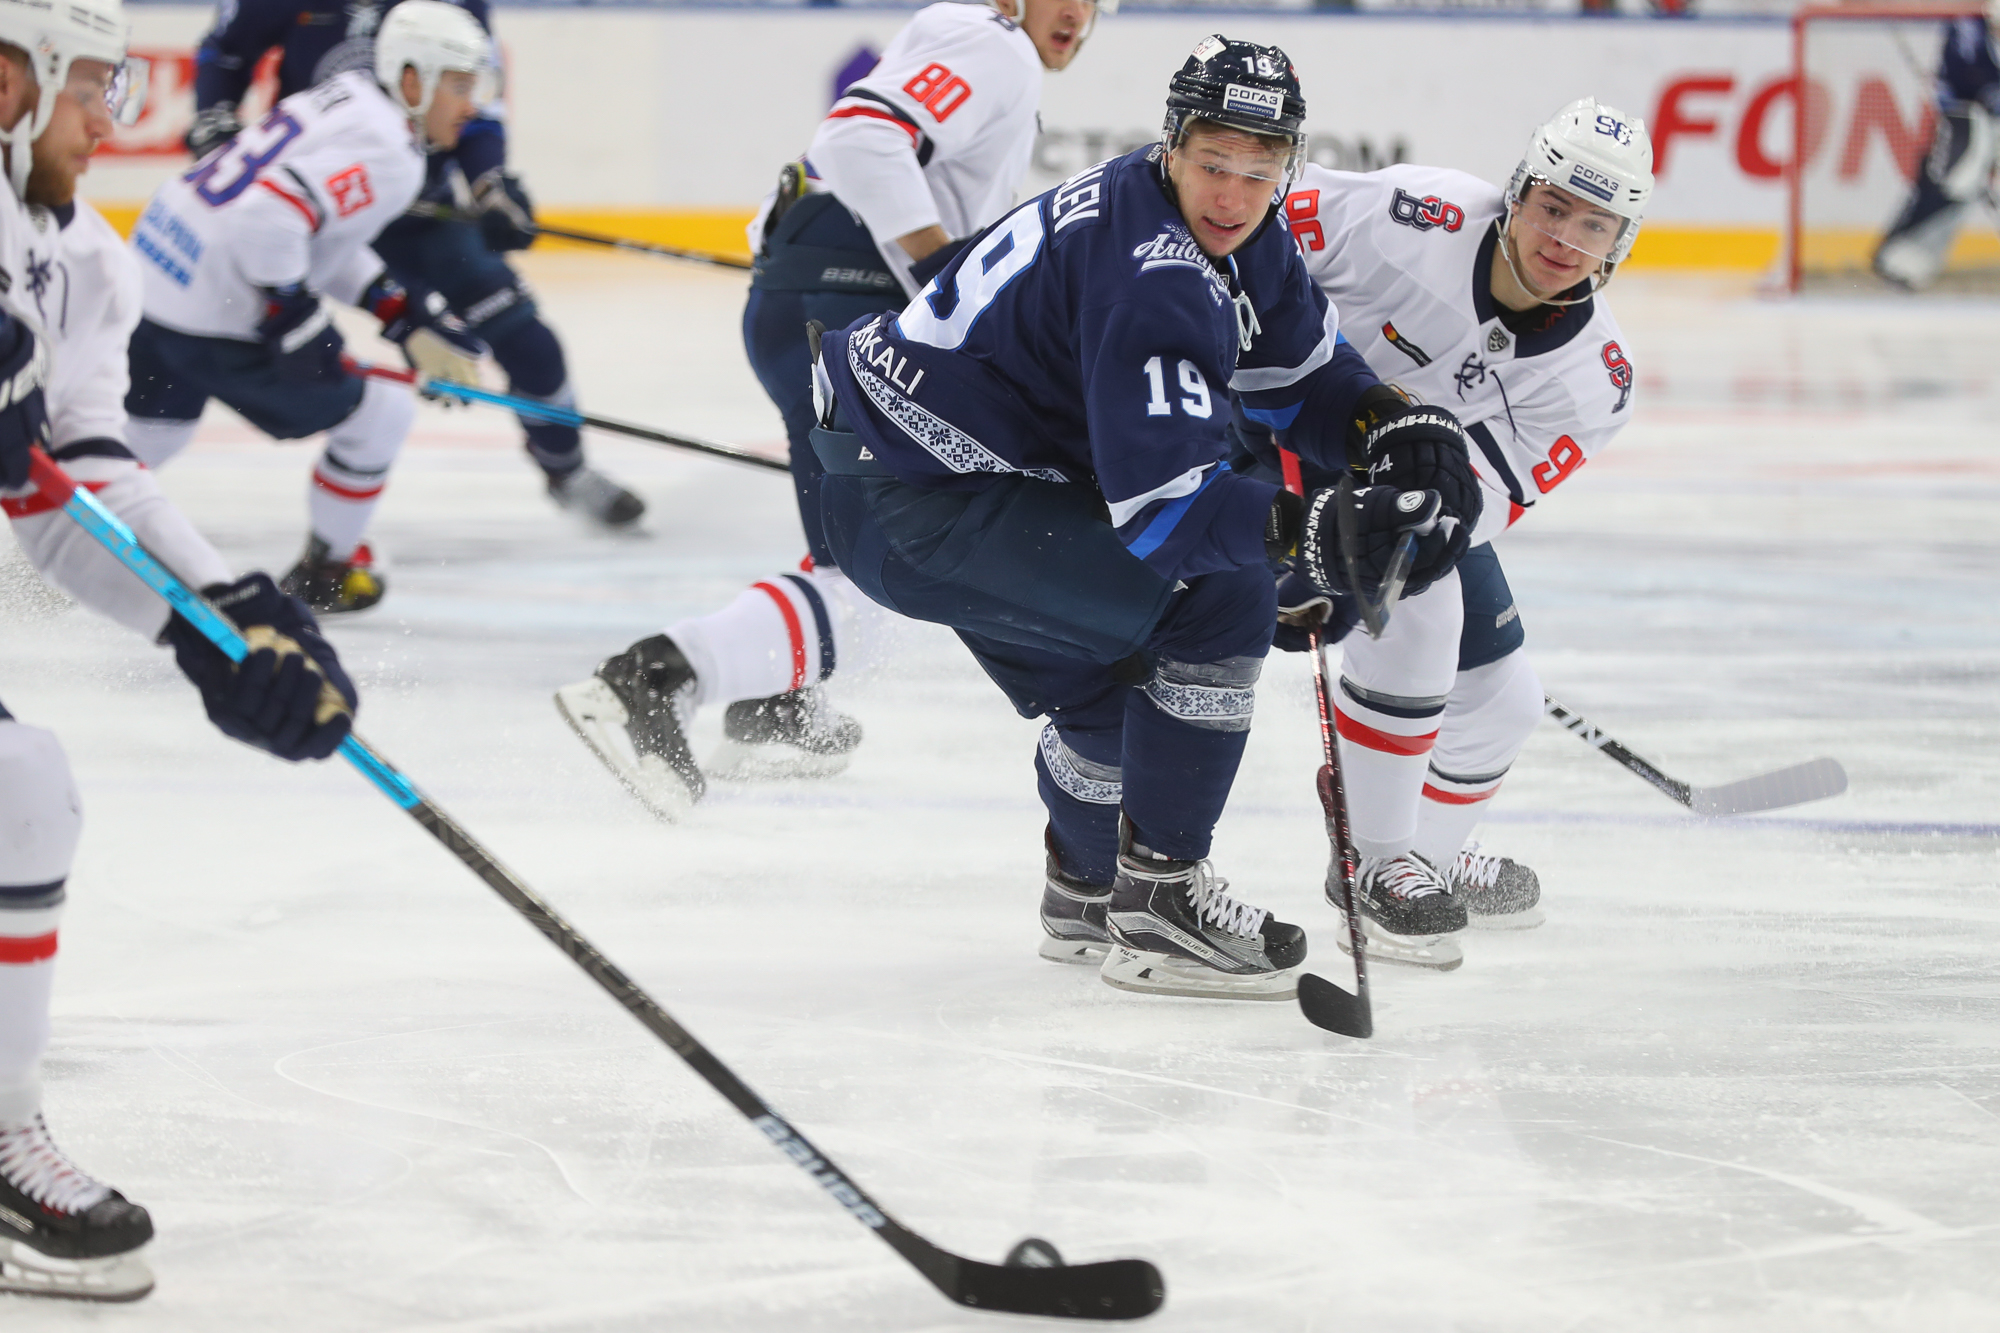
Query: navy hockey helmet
[[1241, 85]]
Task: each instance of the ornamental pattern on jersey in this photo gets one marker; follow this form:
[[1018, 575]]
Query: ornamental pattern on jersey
[[1091, 783], [939, 438]]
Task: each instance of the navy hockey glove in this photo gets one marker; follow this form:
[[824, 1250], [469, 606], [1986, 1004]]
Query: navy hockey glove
[[1363, 530], [434, 341], [299, 332], [290, 695], [1301, 606], [24, 417], [1417, 448], [506, 214], [212, 128]]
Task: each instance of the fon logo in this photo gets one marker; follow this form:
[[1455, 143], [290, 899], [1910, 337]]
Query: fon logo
[[1425, 213]]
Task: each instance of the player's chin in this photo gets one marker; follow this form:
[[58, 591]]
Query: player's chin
[[1222, 238]]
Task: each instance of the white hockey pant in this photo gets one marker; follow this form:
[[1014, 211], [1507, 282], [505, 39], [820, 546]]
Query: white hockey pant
[[40, 818], [783, 633]]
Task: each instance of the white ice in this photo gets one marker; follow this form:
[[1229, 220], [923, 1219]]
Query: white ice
[[1746, 1078]]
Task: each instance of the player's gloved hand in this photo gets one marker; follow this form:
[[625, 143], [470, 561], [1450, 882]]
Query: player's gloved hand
[[300, 334], [24, 417], [1374, 521], [1302, 606], [1417, 447], [434, 341], [290, 696], [506, 214], [212, 128]]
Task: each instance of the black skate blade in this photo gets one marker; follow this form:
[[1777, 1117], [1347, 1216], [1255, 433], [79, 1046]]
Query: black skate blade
[[1326, 1005], [1114, 1289]]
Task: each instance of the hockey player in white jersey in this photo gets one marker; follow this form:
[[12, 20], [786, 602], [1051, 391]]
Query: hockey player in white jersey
[[238, 253], [924, 151], [64, 321], [1486, 302]]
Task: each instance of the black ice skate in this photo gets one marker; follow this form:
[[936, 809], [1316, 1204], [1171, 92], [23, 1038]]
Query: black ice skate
[[1176, 931], [793, 735], [335, 587], [62, 1233], [588, 492], [1407, 911], [1072, 915], [630, 715], [1499, 893]]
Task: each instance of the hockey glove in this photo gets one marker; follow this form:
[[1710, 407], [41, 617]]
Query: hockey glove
[[24, 417], [435, 343], [1349, 541], [506, 214], [1417, 447], [1302, 606], [212, 128], [289, 696], [299, 332]]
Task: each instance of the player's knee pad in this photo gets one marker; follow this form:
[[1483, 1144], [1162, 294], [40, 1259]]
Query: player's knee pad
[[40, 820], [499, 314], [371, 436], [155, 441], [1492, 711], [528, 350], [1209, 696]]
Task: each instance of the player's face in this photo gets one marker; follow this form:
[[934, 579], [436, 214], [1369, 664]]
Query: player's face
[[1057, 28], [1226, 180], [1559, 238], [81, 121], [453, 104]]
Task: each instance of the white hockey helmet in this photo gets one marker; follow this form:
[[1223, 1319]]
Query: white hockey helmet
[[430, 37], [54, 36], [1598, 154]]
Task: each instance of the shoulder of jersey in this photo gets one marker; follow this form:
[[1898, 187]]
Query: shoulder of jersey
[[1472, 195], [974, 24]]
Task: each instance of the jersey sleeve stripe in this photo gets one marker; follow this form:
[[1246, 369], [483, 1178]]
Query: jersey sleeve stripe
[[1497, 457], [312, 218], [881, 108], [1169, 517], [1259, 378], [1124, 511]]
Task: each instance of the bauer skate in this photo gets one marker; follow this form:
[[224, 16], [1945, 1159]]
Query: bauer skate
[[631, 715], [586, 491], [1407, 912], [793, 735], [1176, 931], [1072, 915], [62, 1233], [1498, 893], [335, 587]]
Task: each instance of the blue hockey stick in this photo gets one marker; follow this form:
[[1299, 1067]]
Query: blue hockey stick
[[1114, 1289]]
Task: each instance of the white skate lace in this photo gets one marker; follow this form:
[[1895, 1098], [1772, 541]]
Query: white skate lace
[[1474, 868], [32, 1164], [1209, 893], [1405, 877]]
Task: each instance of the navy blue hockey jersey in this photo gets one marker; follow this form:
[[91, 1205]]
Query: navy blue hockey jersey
[[1969, 71], [1085, 338], [319, 39]]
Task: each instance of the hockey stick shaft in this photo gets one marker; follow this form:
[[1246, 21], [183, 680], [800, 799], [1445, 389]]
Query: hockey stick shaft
[[946, 1271], [1586, 732], [440, 212], [565, 416]]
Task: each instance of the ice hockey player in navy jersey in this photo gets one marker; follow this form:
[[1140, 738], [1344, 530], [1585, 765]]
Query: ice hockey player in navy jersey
[[1031, 453], [62, 340], [462, 259], [1957, 172], [1488, 302], [923, 151]]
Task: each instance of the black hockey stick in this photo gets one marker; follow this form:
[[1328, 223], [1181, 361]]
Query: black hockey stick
[[1323, 1003], [425, 209], [1813, 780], [1115, 1289], [563, 416]]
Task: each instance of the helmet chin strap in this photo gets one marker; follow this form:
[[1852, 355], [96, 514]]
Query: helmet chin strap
[[1598, 280]]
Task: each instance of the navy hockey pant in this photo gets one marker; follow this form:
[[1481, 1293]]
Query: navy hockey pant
[[1147, 684], [435, 254], [174, 375]]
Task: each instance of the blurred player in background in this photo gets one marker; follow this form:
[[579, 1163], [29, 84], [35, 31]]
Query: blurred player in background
[[238, 253], [923, 152], [1958, 170], [63, 331], [1485, 302], [320, 39]]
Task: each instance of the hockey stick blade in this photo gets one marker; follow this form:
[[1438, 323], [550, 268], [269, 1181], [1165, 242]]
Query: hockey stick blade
[[1814, 780], [1112, 1290], [1326, 1005]]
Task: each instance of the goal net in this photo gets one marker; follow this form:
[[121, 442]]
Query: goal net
[[1861, 128]]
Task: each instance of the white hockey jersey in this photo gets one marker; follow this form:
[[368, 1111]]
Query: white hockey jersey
[[1404, 254], [76, 285], [939, 133], [296, 198]]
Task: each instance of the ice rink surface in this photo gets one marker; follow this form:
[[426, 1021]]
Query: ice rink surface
[[1747, 1077]]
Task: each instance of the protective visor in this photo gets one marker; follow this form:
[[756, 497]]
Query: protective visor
[[1271, 160], [1578, 223], [125, 95]]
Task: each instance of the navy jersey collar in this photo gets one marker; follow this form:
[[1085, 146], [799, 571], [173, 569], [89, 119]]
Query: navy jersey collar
[[1542, 329]]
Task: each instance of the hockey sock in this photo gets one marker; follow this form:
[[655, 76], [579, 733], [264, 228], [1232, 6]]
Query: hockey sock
[[347, 482], [781, 634], [154, 442], [1492, 711], [1185, 730], [1077, 771], [1387, 707], [40, 818], [530, 353]]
